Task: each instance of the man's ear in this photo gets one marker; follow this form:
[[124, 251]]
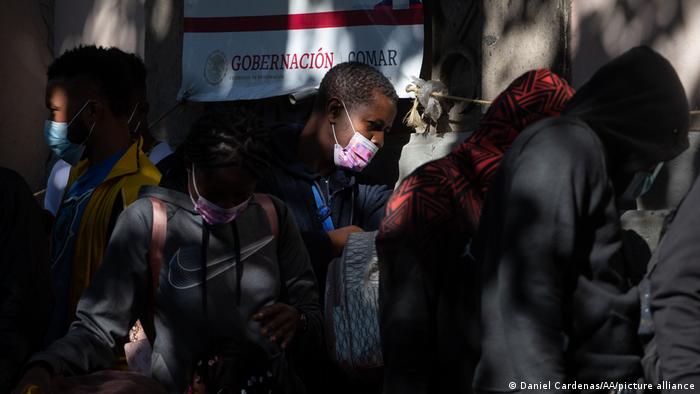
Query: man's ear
[[94, 111], [334, 108], [144, 107]]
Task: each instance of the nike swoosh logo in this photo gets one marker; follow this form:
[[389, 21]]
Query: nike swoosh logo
[[184, 269]]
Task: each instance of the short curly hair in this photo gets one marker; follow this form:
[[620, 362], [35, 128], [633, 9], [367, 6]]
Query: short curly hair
[[103, 67], [136, 69], [354, 83]]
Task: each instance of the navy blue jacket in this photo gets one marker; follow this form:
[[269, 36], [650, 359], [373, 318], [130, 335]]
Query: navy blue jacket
[[291, 181]]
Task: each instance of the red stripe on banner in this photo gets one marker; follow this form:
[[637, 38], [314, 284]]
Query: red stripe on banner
[[318, 20]]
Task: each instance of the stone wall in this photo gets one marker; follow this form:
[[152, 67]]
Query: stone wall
[[603, 29], [32, 33], [26, 39]]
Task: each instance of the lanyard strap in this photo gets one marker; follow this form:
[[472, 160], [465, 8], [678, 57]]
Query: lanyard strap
[[324, 212]]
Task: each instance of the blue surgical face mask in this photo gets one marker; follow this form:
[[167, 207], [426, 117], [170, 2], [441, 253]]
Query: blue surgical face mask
[[641, 183], [56, 134]]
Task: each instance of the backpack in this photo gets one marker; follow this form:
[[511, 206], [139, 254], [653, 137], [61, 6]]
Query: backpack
[[138, 350], [351, 318]]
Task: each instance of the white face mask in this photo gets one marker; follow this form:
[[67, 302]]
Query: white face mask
[[641, 183], [359, 151]]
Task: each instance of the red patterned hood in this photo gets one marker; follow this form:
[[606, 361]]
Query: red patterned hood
[[445, 196], [533, 96]]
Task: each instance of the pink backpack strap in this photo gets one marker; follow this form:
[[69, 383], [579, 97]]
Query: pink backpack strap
[[155, 258], [158, 230], [270, 210]]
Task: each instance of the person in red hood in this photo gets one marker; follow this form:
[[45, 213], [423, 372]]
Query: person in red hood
[[557, 296], [428, 321]]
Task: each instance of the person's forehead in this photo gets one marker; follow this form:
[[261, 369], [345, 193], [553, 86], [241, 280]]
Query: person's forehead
[[226, 173], [380, 107], [57, 85], [77, 86], [56, 92]]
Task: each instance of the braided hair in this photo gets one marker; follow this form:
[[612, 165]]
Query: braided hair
[[221, 139], [233, 138]]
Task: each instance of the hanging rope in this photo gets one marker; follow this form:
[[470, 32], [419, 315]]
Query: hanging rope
[[438, 95]]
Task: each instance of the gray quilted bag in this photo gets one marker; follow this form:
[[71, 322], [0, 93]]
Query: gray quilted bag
[[351, 306]]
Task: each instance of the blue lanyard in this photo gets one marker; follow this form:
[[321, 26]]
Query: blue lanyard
[[324, 212]]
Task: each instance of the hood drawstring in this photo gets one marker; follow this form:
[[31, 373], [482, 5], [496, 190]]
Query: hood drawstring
[[237, 256], [203, 253], [239, 263]]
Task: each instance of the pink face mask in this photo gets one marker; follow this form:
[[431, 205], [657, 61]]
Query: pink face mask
[[212, 213], [358, 152]]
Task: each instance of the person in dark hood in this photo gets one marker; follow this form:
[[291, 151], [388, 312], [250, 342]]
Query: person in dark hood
[[25, 276], [556, 301], [428, 289], [234, 284]]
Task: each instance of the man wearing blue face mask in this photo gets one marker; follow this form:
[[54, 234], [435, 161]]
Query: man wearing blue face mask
[[88, 95], [138, 126], [315, 167]]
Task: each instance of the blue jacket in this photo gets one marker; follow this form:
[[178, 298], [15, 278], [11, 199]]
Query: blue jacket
[[350, 203]]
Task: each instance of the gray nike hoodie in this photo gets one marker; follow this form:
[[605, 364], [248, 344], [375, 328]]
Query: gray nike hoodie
[[274, 269]]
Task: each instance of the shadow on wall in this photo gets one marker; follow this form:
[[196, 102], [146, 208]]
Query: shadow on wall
[[163, 47], [603, 29], [519, 36], [118, 23], [25, 36], [527, 15], [524, 13], [456, 55]]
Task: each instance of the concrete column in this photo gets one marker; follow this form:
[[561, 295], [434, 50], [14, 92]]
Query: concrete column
[[521, 35], [26, 38], [164, 32]]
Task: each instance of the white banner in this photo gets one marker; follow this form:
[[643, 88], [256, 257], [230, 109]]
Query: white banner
[[238, 50]]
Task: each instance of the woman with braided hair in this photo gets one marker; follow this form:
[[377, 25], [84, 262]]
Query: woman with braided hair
[[234, 288]]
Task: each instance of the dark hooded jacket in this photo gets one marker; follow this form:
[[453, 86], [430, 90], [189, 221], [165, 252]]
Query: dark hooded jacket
[[266, 269], [351, 203], [556, 302], [674, 276], [428, 288], [25, 277]]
